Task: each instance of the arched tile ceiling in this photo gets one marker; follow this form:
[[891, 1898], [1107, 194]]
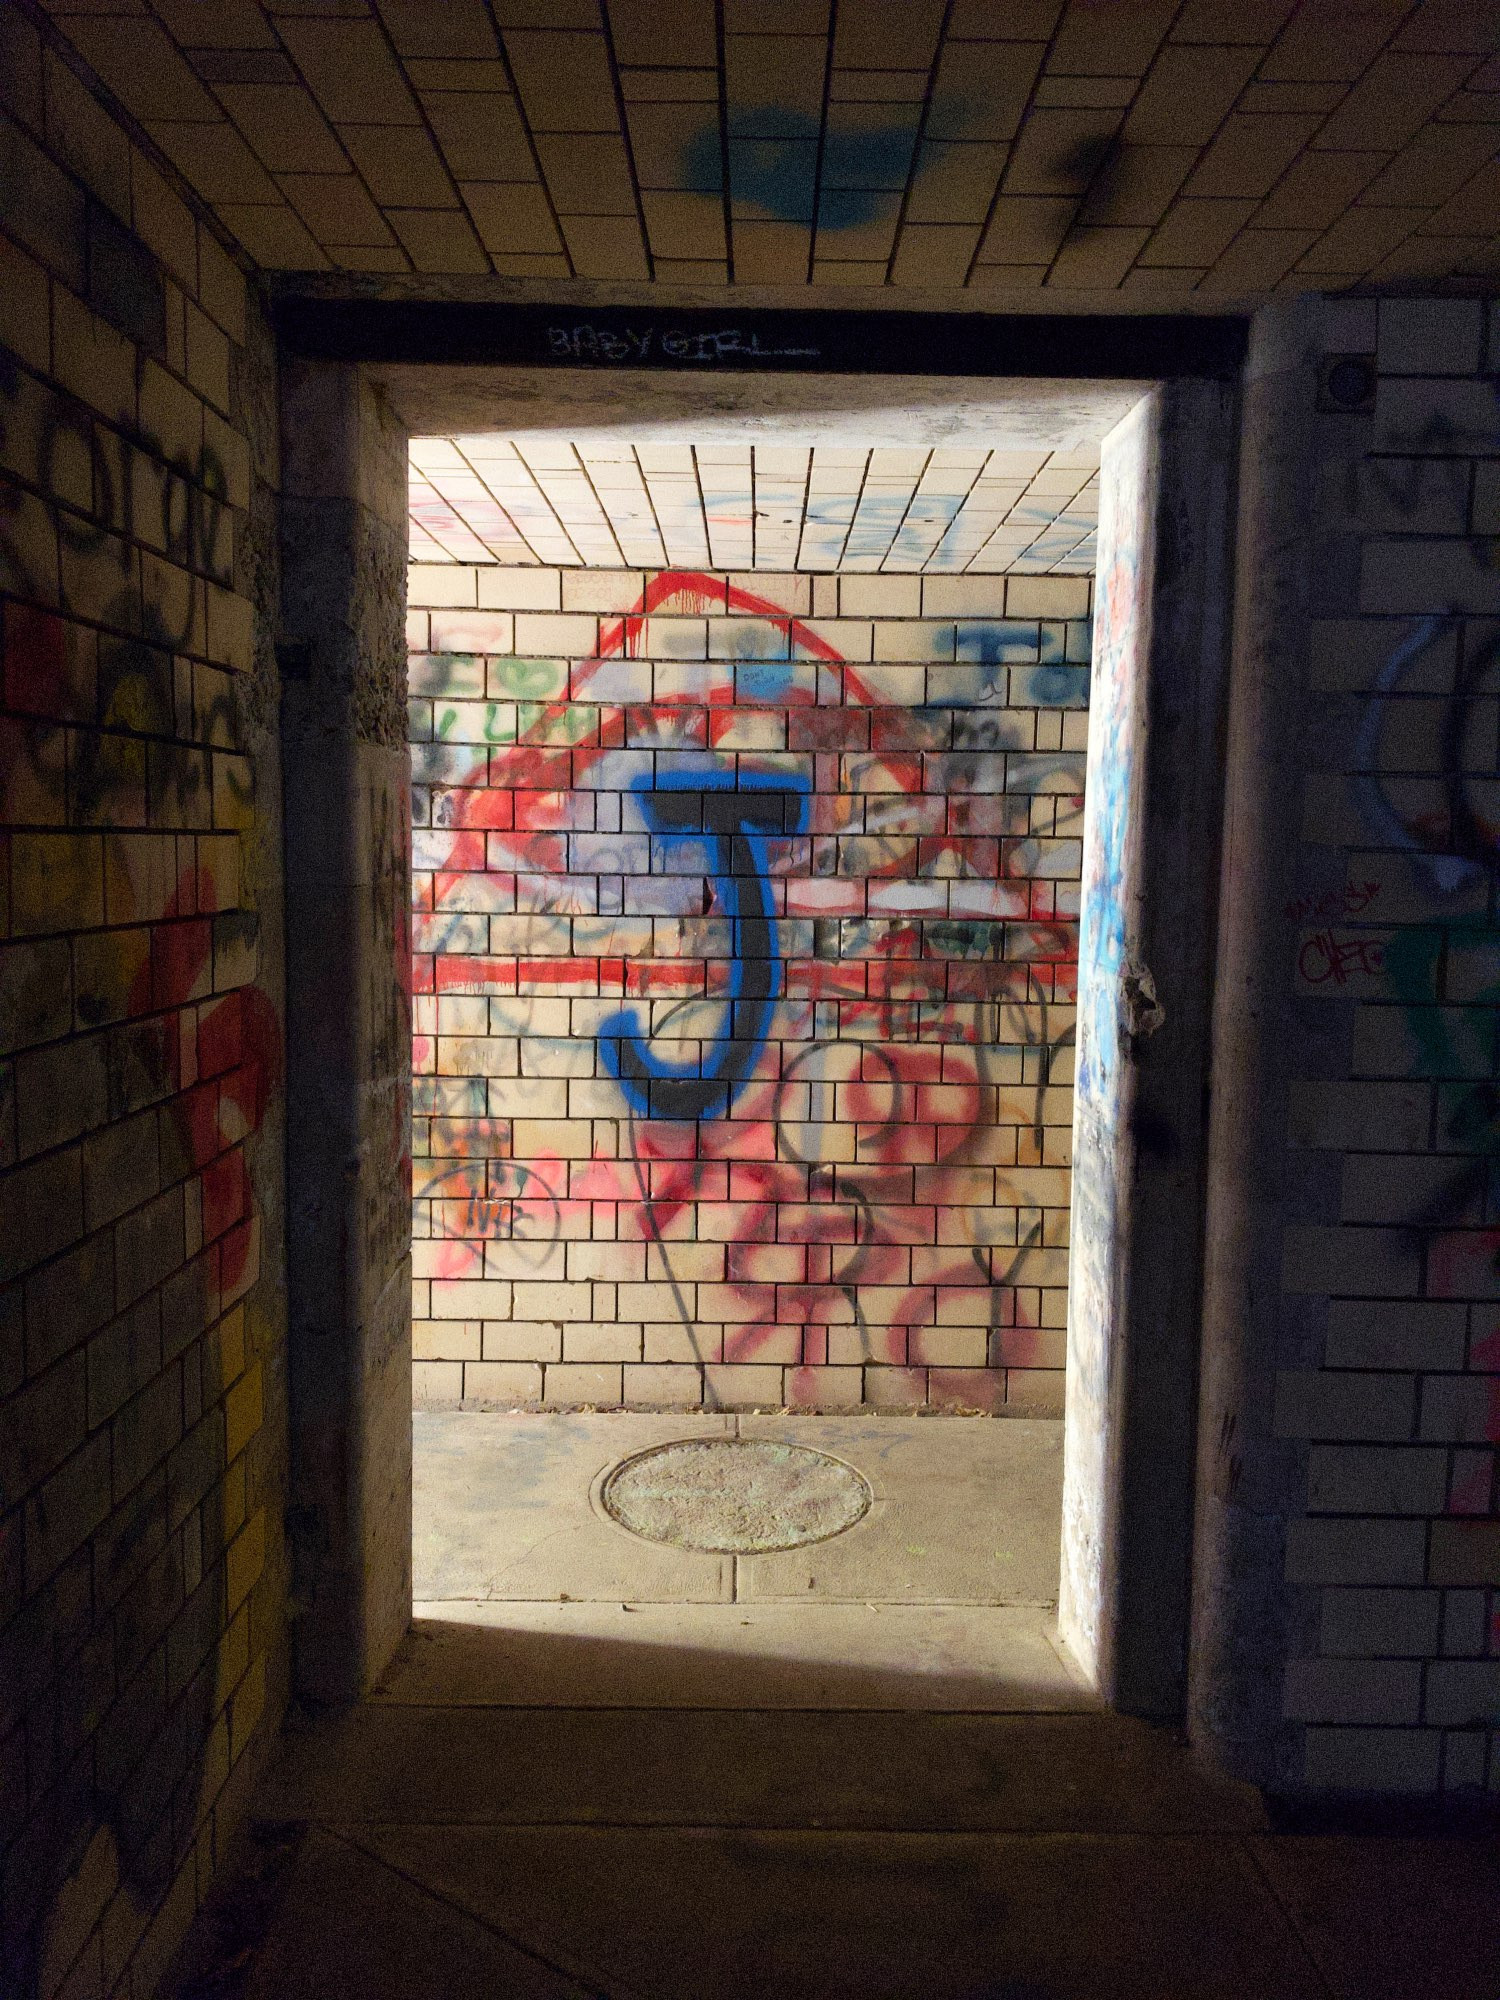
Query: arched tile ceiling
[[1150, 150], [734, 506]]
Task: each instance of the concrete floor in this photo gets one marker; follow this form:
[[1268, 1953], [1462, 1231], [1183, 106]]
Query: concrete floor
[[943, 1596], [606, 1768], [425, 1852]]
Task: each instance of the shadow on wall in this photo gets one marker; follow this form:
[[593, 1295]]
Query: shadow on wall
[[1429, 904], [139, 1032]]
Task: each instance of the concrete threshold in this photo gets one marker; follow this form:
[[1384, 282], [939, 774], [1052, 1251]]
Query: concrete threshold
[[987, 1659]]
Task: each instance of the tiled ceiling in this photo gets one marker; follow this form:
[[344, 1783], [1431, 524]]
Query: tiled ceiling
[[1155, 148], [745, 507]]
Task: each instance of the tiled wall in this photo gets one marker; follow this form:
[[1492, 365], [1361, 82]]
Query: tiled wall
[[1091, 147], [1389, 1395], [140, 1596], [745, 949]]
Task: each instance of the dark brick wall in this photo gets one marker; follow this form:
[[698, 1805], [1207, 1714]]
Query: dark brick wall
[[142, 1655]]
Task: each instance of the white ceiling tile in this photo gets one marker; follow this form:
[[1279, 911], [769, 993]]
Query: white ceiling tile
[[741, 505]]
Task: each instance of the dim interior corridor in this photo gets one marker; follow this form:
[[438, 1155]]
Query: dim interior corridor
[[605, 1767], [866, 1767], [435, 1843], [740, 723]]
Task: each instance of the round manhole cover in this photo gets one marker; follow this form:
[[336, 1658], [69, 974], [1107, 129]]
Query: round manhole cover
[[735, 1496]]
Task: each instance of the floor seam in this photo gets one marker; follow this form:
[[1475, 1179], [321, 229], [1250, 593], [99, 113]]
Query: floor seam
[[781, 1830], [731, 1708], [802, 1603], [1288, 1915], [1091, 1710], [585, 1980]]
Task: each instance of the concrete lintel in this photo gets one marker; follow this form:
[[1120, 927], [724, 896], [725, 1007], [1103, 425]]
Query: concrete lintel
[[1020, 413]]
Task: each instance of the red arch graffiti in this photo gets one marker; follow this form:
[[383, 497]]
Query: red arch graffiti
[[222, 1061], [846, 1239]]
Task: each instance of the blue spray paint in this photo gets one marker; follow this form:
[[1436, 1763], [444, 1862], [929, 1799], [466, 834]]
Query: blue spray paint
[[1101, 930], [1448, 872], [776, 170], [738, 821]]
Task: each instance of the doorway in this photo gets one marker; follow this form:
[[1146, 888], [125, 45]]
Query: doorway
[[748, 797], [731, 858]]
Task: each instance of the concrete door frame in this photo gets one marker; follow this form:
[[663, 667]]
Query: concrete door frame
[[345, 775], [1150, 895], [1153, 793]]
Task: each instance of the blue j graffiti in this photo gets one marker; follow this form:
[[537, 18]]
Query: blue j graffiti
[[736, 822]]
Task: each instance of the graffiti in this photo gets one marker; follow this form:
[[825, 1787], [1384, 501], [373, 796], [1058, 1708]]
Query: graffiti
[[1462, 847], [1102, 925], [851, 177], [1454, 847], [1411, 465], [178, 503], [1326, 956], [140, 490], [636, 346], [218, 1105], [1347, 901], [738, 823], [218, 1080], [1436, 968], [123, 742], [791, 1025]]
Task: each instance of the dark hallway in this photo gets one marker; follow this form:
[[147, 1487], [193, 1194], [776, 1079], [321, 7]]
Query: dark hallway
[[423, 1848], [749, 793]]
